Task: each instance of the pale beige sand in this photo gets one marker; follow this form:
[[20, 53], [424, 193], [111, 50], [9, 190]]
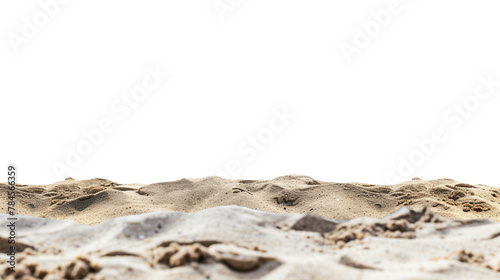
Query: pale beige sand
[[297, 237], [232, 242], [97, 200]]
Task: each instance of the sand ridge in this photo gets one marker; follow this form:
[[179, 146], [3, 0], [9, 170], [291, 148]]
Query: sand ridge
[[232, 242], [97, 200], [291, 227]]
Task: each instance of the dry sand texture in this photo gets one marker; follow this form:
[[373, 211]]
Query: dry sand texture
[[97, 200], [232, 242], [286, 228]]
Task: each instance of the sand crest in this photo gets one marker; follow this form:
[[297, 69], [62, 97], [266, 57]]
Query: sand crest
[[97, 200]]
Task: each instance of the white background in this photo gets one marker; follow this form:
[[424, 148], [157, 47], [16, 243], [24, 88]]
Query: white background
[[352, 120]]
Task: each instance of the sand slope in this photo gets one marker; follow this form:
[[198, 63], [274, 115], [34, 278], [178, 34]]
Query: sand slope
[[232, 242], [286, 228], [97, 200]]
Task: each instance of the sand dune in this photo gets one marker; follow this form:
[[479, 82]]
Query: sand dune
[[292, 227], [97, 200], [232, 242]]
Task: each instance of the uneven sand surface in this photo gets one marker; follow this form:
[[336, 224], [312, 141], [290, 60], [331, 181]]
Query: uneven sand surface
[[292, 227], [232, 242], [97, 200]]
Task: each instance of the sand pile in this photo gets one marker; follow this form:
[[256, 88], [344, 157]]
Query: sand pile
[[292, 227], [232, 242], [97, 200]]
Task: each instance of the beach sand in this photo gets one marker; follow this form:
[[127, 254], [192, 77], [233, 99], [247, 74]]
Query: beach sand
[[292, 227]]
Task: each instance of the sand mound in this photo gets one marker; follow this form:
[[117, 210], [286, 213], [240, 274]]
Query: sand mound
[[232, 242], [97, 200]]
